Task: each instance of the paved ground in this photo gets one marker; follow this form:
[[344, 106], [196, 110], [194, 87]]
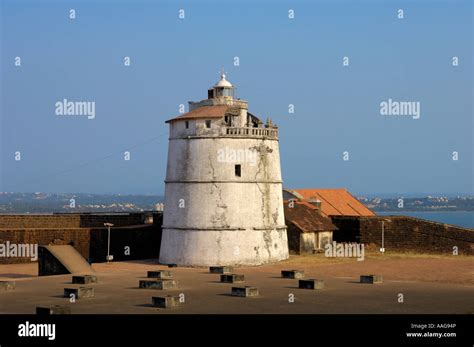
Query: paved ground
[[429, 284]]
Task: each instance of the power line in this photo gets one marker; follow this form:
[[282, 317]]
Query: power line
[[96, 160]]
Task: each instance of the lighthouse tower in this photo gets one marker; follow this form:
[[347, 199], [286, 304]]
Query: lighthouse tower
[[223, 195]]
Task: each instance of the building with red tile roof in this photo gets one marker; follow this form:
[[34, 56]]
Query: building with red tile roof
[[308, 230], [331, 202]]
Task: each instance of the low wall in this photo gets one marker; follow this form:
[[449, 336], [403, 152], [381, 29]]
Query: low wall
[[76, 237], [39, 221], [129, 242], [69, 220], [404, 233]]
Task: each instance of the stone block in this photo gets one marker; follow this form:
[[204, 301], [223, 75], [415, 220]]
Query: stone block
[[166, 301], [158, 284], [371, 279], [233, 278], [244, 292], [221, 269], [86, 279], [7, 286], [311, 284], [79, 293], [53, 309], [294, 274], [160, 274]]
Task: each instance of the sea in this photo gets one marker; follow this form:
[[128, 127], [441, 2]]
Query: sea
[[460, 218]]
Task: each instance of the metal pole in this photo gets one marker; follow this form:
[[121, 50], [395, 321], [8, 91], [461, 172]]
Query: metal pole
[[108, 225], [108, 245], [383, 234]]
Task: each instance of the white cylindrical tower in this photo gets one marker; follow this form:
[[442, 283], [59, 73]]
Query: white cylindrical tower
[[223, 195]]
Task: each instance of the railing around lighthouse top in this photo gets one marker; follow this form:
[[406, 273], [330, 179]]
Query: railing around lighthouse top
[[258, 132]]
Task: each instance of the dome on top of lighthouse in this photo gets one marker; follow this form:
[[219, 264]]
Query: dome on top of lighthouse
[[223, 82]]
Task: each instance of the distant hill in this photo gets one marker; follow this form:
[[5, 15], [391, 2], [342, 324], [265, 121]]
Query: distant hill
[[429, 203], [57, 202], [61, 202]]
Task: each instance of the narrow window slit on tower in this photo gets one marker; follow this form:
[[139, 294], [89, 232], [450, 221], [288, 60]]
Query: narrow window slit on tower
[[238, 170], [187, 124], [208, 123]]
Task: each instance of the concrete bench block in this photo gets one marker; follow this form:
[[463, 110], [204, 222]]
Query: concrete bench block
[[294, 274], [371, 279], [86, 279], [233, 278], [166, 301], [158, 284], [221, 269], [79, 293], [53, 309], [311, 284], [7, 286], [160, 274], [244, 292]]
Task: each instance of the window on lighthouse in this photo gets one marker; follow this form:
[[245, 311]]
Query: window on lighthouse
[[223, 92], [226, 92], [238, 170]]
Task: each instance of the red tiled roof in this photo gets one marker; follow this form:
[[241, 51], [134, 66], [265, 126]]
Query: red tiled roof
[[336, 202], [202, 112], [306, 218]]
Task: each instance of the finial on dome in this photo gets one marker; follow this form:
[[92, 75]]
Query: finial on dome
[[223, 82]]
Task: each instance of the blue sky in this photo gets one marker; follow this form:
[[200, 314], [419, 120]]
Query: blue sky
[[282, 62]]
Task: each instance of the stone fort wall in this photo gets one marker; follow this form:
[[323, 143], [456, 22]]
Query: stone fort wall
[[405, 233], [69, 220], [86, 233]]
